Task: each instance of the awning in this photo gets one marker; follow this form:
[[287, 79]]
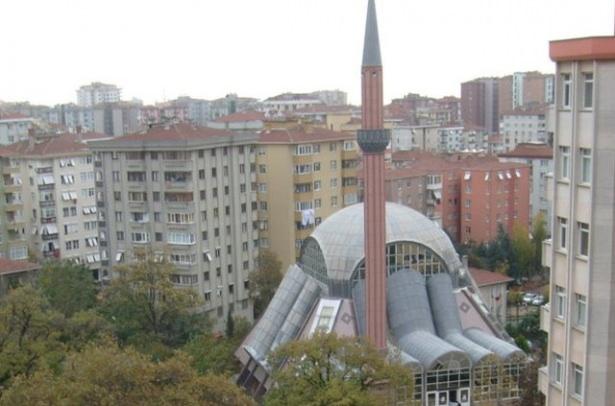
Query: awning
[[517, 173], [46, 180], [437, 194], [467, 176], [49, 229]]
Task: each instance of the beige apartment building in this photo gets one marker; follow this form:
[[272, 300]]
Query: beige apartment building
[[304, 175], [185, 194], [579, 318], [48, 200]]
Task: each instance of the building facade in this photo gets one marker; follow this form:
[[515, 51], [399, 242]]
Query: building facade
[[303, 176], [49, 202], [480, 104], [97, 92], [14, 128], [578, 320], [540, 159], [522, 126], [187, 194]]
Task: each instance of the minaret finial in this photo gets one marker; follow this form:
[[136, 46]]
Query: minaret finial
[[371, 46]]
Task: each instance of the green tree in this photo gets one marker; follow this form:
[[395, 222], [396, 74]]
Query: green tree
[[145, 307], [28, 337], [68, 287], [539, 234], [265, 280], [104, 374], [329, 370], [522, 250]]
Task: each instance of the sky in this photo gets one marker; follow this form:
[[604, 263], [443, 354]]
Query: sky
[[157, 50]]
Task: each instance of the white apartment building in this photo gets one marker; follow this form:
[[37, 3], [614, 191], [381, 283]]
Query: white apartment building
[[540, 159], [579, 320], [187, 194], [523, 126], [14, 128], [96, 93], [289, 103], [48, 200]]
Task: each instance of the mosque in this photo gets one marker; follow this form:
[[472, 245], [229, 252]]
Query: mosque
[[403, 287]]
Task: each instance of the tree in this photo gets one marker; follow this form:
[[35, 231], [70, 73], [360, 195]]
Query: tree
[[230, 325], [522, 250], [28, 337], [104, 374], [329, 370], [68, 287], [539, 234], [144, 306], [265, 280]]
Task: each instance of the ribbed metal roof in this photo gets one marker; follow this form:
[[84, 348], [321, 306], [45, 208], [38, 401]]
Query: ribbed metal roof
[[341, 237]]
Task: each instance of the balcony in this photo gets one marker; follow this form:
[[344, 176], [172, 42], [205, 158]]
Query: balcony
[[51, 254], [47, 203], [434, 186], [543, 380], [10, 169], [177, 185], [184, 165], [546, 253], [545, 317], [48, 220]]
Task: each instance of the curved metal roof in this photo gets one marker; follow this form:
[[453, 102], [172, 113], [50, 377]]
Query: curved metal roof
[[341, 236]]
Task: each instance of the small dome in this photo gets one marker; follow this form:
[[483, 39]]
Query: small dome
[[340, 238]]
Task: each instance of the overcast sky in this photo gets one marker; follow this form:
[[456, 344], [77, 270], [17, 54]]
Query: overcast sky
[[157, 50]]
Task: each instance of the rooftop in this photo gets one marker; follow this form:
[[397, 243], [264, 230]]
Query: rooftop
[[8, 266], [63, 144], [302, 135], [13, 116], [242, 117], [582, 49], [530, 150], [483, 277]]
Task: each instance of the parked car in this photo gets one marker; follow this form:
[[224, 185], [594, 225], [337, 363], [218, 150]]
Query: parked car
[[538, 300], [529, 297]]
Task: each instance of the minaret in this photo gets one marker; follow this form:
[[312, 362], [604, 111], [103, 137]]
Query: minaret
[[373, 140]]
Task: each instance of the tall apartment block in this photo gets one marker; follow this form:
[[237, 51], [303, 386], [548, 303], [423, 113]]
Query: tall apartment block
[[96, 93], [304, 176], [580, 318], [186, 194], [48, 201], [479, 104]]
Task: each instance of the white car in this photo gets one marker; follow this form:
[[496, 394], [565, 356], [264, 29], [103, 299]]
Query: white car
[[529, 297], [538, 300]]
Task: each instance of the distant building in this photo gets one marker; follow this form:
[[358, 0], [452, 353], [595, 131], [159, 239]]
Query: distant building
[[480, 104], [14, 127], [540, 159], [246, 121], [16, 273], [525, 89], [493, 288], [231, 103], [116, 119], [331, 97], [187, 194], [96, 93], [523, 125], [288, 103]]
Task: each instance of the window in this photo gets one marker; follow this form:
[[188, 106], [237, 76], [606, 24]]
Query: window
[[557, 368], [333, 165], [333, 146], [583, 229], [262, 169], [586, 165], [324, 319], [334, 201], [566, 90], [316, 166], [262, 187], [302, 169], [588, 90], [136, 176], [349, 146], [580, 310], [316, 185], [560, 302], [577, 380], [303, 149], [180, 218], [564, 162], [181, 238], [71, 228], [116, 176], [563, 229], [333, 183], [154, 176], [120, 235], [140, 237], [137, 196]]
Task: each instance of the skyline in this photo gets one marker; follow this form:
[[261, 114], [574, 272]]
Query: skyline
[[196, 54]]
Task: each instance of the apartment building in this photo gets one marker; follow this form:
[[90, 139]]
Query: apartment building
[[480, 104], [14, 127], [523, 125], [97, 92], [579, 319], [186, 194], [304, 176], [540, 159], [48, 200]]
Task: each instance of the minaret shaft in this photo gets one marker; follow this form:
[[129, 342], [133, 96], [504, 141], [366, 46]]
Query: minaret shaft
[[373, 140]]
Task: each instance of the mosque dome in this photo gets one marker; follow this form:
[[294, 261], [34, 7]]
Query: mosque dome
[[335, 250]]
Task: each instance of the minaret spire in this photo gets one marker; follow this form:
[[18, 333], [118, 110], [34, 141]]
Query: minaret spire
[[373, 140], [371, 45]]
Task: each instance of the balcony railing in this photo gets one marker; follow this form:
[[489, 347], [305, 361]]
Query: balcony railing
[[545, 318]]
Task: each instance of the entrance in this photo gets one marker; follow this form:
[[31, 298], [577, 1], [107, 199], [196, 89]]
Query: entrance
[[459, 397], [437, 398]]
